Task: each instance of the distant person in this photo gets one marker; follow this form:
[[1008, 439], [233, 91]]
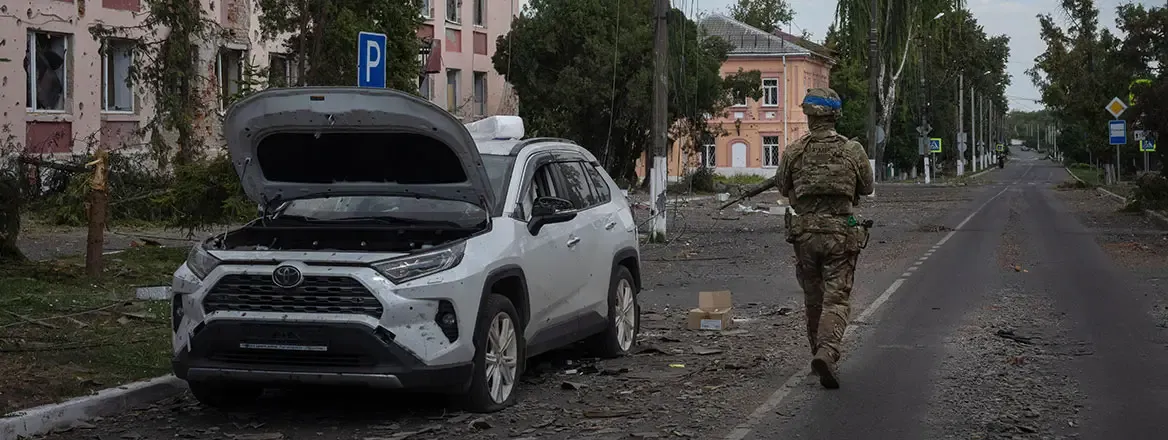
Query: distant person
[[824, 174]]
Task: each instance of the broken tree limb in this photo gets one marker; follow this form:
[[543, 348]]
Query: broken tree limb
[[98, 202], [36, 161]]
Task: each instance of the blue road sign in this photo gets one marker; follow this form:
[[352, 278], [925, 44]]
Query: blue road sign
[[934, 145], [1148, 145], [1117, 131], [371, 60]]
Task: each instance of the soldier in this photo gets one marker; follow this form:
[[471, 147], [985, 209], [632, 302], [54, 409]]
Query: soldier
[[824, 174]]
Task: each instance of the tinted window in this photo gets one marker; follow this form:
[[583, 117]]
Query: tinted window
[[575, 184], [603, 192]]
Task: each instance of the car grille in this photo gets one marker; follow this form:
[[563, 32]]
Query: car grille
[[317, 294], [294, 359]]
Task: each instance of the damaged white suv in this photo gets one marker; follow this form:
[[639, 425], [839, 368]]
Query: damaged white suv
[[398, 248]]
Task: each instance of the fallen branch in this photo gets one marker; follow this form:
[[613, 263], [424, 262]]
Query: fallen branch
[[31, 321], [68, 347], [70, 315], [36, 161]]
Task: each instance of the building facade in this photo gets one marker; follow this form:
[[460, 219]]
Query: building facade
[[66, 92], [751, 135]]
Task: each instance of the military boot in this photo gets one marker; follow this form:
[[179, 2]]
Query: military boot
[[825, 367]]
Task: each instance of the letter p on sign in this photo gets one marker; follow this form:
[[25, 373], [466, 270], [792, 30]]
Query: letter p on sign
[[370, 60]]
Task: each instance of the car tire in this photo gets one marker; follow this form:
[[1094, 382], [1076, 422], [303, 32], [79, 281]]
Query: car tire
[[224, 395], [624, 317], [498, 337]]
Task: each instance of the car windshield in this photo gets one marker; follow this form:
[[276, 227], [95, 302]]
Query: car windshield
[[497, 170], [402, 207]]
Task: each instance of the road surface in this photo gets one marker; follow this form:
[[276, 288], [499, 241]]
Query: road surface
[[1016, 325]]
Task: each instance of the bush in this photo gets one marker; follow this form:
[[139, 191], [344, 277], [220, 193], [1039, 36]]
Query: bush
[[196, 195], [1151, 192], [740, 179]]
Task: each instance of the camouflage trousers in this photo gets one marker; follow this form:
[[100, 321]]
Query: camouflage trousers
[[826, 267]]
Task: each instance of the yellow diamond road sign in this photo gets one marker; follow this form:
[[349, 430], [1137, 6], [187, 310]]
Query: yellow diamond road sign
[[1116, 107]]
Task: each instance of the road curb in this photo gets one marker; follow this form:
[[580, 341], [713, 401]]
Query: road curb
[[46, 418], [1077, 177], [1155, 216], [979, 173]]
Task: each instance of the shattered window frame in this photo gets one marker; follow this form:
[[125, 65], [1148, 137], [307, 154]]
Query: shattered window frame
[[33, 70], [111, 90]]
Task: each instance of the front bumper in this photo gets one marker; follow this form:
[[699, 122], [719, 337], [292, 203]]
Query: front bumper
[[277, 353]]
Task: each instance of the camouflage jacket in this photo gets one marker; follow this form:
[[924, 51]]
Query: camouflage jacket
[[824, 172]]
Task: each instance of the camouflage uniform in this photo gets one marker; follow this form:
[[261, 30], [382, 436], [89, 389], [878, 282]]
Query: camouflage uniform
[[823, 174]]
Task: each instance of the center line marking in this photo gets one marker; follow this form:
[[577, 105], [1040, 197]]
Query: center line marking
[[768, 407]]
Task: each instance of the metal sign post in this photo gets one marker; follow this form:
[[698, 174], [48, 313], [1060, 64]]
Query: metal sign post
[[1117, 129]]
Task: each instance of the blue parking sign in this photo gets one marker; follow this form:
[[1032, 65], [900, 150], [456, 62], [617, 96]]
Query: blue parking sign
[[1117, 131], [371, 60]]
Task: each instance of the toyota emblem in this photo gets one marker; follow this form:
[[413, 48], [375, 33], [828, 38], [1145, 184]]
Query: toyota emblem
[[287, 276]]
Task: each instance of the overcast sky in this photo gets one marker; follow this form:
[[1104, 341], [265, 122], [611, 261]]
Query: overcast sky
[[1015, 18]]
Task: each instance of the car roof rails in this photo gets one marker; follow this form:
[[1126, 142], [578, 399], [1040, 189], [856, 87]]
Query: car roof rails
[[532, 141]]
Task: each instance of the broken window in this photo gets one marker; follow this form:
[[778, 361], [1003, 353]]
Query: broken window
[[229, 67], [117, 92], [281, 70], [46, 61], [480, 12], [480, 93], [453, 14]]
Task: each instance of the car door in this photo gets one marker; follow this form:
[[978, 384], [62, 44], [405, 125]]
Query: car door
[[550, 256], [590, 221]]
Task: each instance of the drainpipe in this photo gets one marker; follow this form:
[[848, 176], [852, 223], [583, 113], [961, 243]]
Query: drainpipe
[[786, 115]]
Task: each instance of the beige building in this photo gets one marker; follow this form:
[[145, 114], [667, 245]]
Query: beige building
[[756, 132]]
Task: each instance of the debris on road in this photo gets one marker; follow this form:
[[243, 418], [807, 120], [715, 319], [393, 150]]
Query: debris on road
[[712, 313], [1009, 334]]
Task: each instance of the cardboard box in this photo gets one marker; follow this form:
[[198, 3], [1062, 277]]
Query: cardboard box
[[713, 312]]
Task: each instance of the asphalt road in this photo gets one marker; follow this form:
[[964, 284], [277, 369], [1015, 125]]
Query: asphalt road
[[1018, 325]]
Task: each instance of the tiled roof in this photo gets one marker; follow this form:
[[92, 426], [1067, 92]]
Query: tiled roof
[[746, 39]]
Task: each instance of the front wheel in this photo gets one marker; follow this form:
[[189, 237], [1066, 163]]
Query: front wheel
[[499, 352], [624, 317]]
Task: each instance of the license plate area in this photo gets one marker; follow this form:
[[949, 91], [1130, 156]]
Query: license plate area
[[283, 338]]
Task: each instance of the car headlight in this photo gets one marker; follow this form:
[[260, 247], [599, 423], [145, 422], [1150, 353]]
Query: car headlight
[[200, 262], [400, 270]]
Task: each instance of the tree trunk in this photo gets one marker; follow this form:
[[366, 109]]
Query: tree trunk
[[9, 219]]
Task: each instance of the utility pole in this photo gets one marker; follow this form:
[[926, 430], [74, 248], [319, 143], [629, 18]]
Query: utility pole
[[873, 90], [960, 119], [973, 128], [657, 175], [923, 129]]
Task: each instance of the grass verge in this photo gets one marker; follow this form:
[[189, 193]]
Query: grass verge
[[64, 335], [1092, 177]]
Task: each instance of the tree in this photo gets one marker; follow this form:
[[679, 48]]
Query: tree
[[323, 35], [1145, 50], [1078, 74], [911, 38], [762, 14], [583, 70]]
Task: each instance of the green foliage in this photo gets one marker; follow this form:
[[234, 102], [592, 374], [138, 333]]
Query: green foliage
[[740, 179], [762, 14], [1151, 191], [921, 59], [10, 204], [583, 70], [198, 194], [167, 64], [323, 33]]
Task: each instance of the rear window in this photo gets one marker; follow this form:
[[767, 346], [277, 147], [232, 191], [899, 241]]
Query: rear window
[[402, 158]]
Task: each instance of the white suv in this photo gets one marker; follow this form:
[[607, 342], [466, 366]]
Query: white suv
[[398, 248]]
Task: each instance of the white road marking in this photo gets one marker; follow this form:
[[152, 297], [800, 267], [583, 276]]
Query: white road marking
[[906, 274], [768, 407]]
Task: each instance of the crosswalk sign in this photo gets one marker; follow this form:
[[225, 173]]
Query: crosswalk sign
[[934, 145], [1148, 145]]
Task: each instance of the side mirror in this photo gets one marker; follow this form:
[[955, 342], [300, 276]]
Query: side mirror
[[549, 210]]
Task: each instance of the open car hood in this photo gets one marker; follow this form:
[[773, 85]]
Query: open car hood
[[308, 142]]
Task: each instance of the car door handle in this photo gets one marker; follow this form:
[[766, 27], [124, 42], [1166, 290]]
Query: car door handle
[[573, 241], [610, 225]]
